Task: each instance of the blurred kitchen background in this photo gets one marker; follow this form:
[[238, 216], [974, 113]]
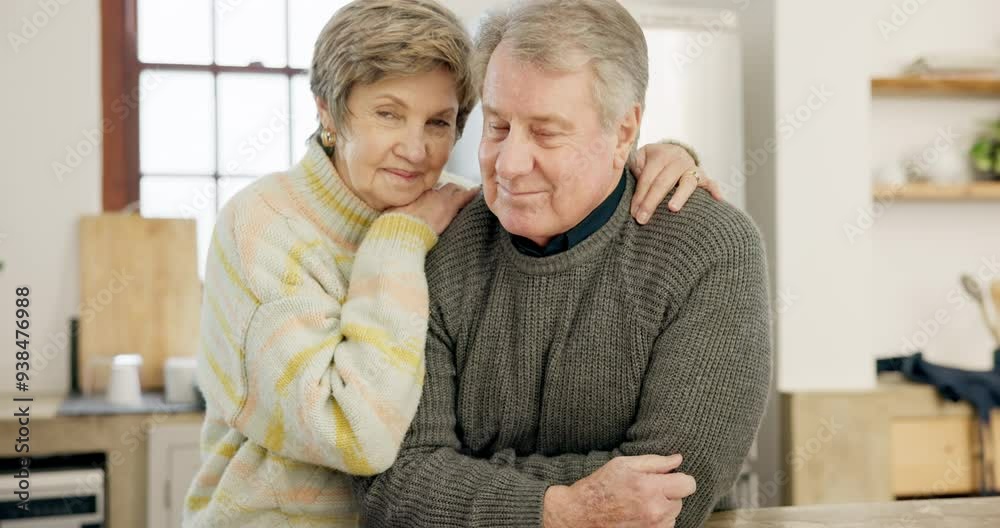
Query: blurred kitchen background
[[861, 135]]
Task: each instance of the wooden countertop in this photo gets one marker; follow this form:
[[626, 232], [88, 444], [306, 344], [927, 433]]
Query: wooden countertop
[[942, 513]]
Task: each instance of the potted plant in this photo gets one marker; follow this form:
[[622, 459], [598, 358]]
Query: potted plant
[[985, 152]]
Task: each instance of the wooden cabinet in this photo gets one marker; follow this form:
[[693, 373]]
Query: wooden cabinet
[[934, 456], [898, 441], [125, 439]]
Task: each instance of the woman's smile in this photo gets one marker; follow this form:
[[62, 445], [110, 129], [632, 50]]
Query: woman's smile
[[404, 174]]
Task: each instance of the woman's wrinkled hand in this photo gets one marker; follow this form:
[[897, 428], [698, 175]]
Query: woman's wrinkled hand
[[659, 168], [438, 207]]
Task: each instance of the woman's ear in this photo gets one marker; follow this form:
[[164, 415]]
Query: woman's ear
[[627, 135], [325, 119]]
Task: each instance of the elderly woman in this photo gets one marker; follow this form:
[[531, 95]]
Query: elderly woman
[[316, 302]]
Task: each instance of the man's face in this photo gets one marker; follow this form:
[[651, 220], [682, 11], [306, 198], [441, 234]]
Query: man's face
[[546, 161]]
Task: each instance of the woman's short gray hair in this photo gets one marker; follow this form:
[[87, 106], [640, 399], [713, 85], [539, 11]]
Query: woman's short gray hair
[[552, 34], [369, 40]]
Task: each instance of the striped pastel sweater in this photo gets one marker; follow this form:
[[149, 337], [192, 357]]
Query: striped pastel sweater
[[311, 358]]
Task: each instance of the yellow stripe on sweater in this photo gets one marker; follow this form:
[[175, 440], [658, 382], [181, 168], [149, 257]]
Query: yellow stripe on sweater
[[226, 450], [391, 227], [230, 505], [292, 276], [323, 519], [347, 441], [197, 503], [397, 354], [274, 439], [300, 359], [227, 384], [326, 197], [231, 271], [221, 320]]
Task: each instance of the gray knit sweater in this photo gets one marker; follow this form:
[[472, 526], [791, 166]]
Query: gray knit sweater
[[641, 339]]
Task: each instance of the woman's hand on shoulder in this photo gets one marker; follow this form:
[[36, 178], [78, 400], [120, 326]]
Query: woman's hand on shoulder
[[659, 168], [438, 207]]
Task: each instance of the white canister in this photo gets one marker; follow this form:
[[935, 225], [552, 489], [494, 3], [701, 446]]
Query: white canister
[[952, 167], [891, 175], [179, 380], [123, 386]]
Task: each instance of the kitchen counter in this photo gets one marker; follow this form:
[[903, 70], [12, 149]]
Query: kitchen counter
[[46, 407], [79, 425], [152, 403], [948, 513]]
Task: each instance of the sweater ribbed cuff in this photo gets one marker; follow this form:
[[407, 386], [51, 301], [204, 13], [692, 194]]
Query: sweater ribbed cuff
[[519, 502], [404, 229]]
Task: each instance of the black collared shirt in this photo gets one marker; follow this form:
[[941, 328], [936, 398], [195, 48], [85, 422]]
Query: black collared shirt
[[594, 221]]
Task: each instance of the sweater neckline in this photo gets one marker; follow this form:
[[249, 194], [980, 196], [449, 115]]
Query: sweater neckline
[[320, 186], [579, 254], [578, 233]]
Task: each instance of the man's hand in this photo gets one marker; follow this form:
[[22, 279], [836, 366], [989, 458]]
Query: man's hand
[[637, 492]]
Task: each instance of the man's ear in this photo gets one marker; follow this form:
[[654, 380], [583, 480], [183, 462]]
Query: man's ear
[[627, 135]]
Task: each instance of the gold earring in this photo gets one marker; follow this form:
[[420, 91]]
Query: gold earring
[[327, 139]]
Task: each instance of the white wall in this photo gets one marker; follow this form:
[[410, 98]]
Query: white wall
[[850, 291], [921, 248], [51, 96], [803, 179], [824, 280], [465, 156]]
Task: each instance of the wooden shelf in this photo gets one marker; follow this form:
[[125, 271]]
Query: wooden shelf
[[928, 191], [970, 86]]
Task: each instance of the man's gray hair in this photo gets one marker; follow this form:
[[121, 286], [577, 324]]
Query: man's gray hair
[[555, 34]]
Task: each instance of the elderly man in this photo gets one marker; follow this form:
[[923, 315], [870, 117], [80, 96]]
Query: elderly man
[[575, 359]]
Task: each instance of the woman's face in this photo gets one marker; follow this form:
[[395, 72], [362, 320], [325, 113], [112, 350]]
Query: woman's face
[[400, 136]]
